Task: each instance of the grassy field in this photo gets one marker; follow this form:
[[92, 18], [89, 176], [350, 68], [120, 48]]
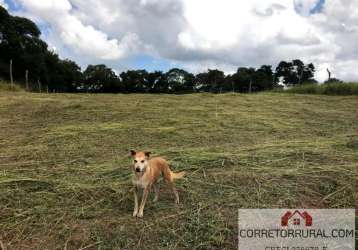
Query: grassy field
[[65, 167]]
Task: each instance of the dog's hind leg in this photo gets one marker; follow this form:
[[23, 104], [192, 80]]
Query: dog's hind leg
[[175, 192], [156, 191], [167, 174]]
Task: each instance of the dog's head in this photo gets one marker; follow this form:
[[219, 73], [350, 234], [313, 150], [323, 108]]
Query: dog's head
[[140, 160]]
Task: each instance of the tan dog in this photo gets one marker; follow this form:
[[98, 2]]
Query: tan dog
[[146, 173]]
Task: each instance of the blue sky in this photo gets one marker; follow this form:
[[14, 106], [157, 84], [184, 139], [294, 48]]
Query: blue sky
[[150, 63], [318, 7]]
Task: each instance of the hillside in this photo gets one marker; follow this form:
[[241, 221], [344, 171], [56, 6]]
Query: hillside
[[65, 166]]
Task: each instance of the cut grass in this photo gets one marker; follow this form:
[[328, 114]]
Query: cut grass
[[65, 166]]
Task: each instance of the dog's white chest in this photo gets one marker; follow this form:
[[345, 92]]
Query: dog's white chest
[[141, 182]]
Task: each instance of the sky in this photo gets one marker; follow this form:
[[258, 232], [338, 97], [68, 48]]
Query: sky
[[199, 34]]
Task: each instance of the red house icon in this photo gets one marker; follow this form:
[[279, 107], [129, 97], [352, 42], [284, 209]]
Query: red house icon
[[295, 218]]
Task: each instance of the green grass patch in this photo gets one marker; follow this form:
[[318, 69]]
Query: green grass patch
[[6, 86]]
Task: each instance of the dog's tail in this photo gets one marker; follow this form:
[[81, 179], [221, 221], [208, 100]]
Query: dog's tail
[[174, 176]]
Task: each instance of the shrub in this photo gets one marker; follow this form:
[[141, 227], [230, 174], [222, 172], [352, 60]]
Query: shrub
[[5, 86], [333, 88], [341, 89]]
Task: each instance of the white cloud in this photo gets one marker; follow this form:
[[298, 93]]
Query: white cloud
[[250, 33], [81, 38], [198, 34], [257, 32], [3, 4]]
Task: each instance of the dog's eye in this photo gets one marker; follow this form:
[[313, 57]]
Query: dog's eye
[[135, 161], [142, 161]]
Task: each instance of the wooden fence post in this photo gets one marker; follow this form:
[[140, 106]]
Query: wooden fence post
[[27, 79], [39, 84], [300, 77], [11, 78], [250, 87]]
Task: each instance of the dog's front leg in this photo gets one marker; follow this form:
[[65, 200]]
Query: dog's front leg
[[144, 200], [135, 193]]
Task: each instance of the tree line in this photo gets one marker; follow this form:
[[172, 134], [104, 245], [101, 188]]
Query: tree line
[[34, 63]]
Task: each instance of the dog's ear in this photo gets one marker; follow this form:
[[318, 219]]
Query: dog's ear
[[133, 153], [147, 154]]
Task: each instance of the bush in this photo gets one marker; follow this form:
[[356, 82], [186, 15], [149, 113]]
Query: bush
[[333, 88], [305, 89], [5, 86], [341, 89], [333, 80]]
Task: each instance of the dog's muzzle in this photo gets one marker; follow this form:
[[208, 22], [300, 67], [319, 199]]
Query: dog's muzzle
[[137, 170]]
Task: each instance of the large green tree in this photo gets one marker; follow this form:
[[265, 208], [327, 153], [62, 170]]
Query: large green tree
[[136, 81], [20, 43], [211, 81], [243, 79], [100, 78], [295, 72], [180, 80], [61, 75], [157, 82], [264, 79]]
